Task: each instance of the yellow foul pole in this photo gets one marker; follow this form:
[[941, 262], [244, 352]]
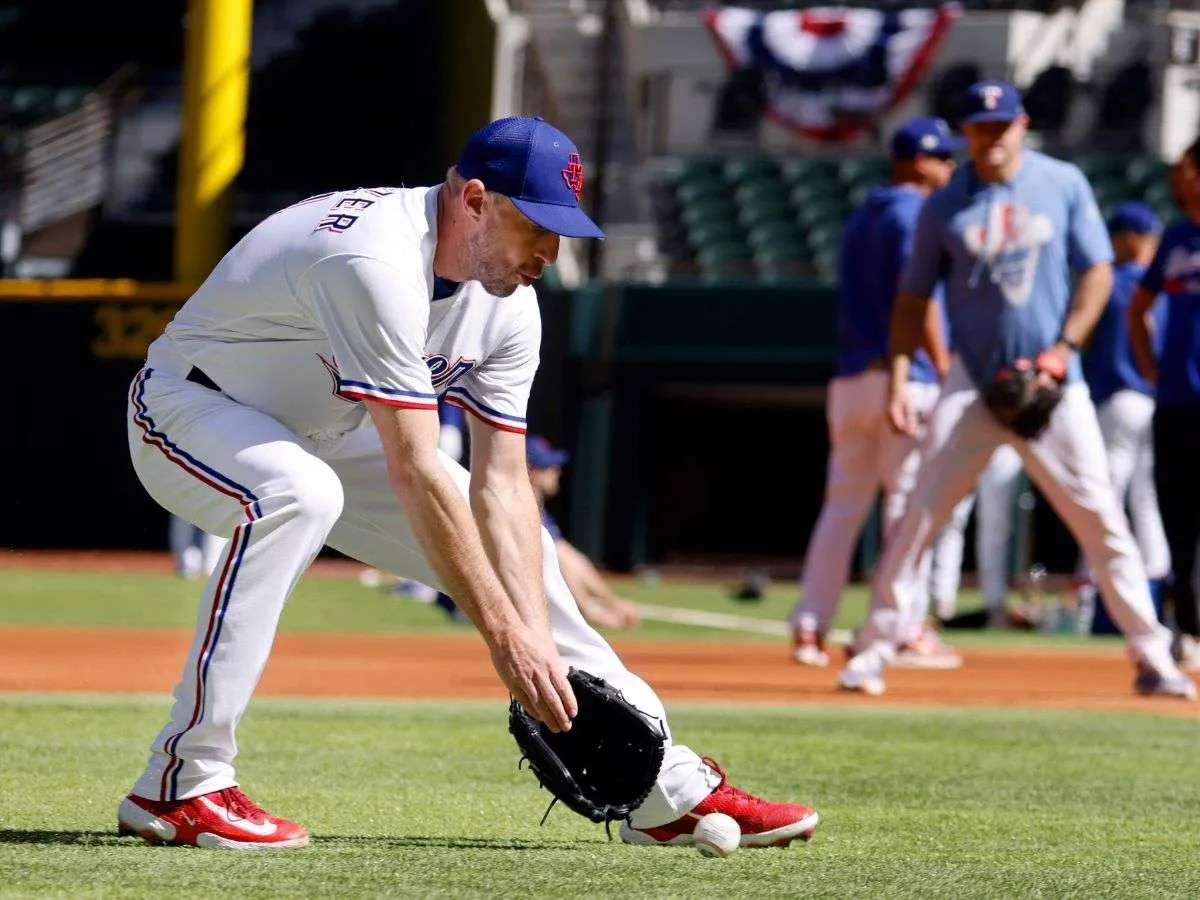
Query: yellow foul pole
[[216, 76]]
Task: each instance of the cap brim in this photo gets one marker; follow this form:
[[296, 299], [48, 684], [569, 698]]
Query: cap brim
[[568, 221], [996, 115], [549, 460]]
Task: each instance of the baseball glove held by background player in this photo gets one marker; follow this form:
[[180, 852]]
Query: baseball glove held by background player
[[602, 768], [1021, 400]]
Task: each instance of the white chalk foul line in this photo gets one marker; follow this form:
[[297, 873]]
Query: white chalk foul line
[[727, 621]]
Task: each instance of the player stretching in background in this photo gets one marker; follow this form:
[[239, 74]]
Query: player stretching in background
[[1003, 237], [1175, 372], [865, 455]]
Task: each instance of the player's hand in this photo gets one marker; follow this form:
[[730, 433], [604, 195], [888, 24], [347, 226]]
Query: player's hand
[[533, 672], [630, 617], [901, 413]]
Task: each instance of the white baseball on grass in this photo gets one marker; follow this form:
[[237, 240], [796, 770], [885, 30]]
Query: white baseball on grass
[[717, 834]]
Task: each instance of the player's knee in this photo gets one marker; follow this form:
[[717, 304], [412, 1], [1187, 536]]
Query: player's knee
[[316, 495]]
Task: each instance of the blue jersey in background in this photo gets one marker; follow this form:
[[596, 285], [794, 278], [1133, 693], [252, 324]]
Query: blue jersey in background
[[875, 244], [1108, 364], [1004, 252], [1175, 273]]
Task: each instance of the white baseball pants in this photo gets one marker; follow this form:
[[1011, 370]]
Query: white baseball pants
[[865, 455], [1066, 463], [1126, 419], [993, 501], [280, 497]]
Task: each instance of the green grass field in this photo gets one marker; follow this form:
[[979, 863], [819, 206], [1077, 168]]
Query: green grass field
[[418, 799], [413, 799], [81, 599]]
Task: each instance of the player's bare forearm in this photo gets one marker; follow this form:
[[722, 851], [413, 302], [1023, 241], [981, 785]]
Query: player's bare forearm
[[1092, 291], [1141, 335], [580, 574], [441, 519], [506, 511], [527, 663]]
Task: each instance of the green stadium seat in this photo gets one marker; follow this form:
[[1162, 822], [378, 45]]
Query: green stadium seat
[[1143, 171], [824, 240], [724, 251], [1100, 165], [701, 188], [751, 193], [1158, 193], [750, 168], [819, 212], [712, 208], [857, 169], [773, 233], [695, 168], [808, 190], [713, 232], [799, 169], [765, 213]]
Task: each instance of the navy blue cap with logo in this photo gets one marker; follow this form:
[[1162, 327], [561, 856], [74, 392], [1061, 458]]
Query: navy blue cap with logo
[[993, 101], [537, 167], [1136, 217], [924, 135], [541, 454]]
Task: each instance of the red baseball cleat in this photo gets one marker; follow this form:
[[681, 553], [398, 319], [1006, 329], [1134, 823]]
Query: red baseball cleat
[[763, 823], [227, 819]]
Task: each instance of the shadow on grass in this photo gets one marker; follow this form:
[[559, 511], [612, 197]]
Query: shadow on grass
[[444, 843], [58, 837], [110, 838]]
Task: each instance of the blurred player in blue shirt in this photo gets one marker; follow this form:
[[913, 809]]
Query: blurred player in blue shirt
[[1124, 399], [1174, 369], [865, 455], [1004, 238]]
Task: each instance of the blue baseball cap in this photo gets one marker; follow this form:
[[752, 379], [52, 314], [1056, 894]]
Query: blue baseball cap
[[993, 101], [541, 454], [536, 166], [924, 134], [1136, 217]]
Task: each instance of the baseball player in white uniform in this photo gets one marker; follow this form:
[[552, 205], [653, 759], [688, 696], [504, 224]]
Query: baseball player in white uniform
[[1124, 399], [1002, 237], [866, 456], [292, 403]]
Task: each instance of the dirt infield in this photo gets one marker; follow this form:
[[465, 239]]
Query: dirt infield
[[332, 665], [452, 667]]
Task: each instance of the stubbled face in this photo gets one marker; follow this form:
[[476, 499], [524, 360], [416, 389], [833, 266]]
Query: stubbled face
[[505, 249], [995, 145]]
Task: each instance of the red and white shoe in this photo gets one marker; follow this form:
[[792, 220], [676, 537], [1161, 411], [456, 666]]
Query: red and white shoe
[[763, 823], [927, 651], [808, 647], [227, 819]]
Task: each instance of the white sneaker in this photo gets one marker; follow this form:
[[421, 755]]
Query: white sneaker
[[928, 651], [1189, 653], [863, 673], [1164, 683]]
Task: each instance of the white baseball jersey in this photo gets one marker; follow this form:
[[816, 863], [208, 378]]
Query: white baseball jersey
[[328, 302]]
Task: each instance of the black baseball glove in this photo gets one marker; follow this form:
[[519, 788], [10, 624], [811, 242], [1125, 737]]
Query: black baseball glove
[[602, 768], [1021, 400]]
